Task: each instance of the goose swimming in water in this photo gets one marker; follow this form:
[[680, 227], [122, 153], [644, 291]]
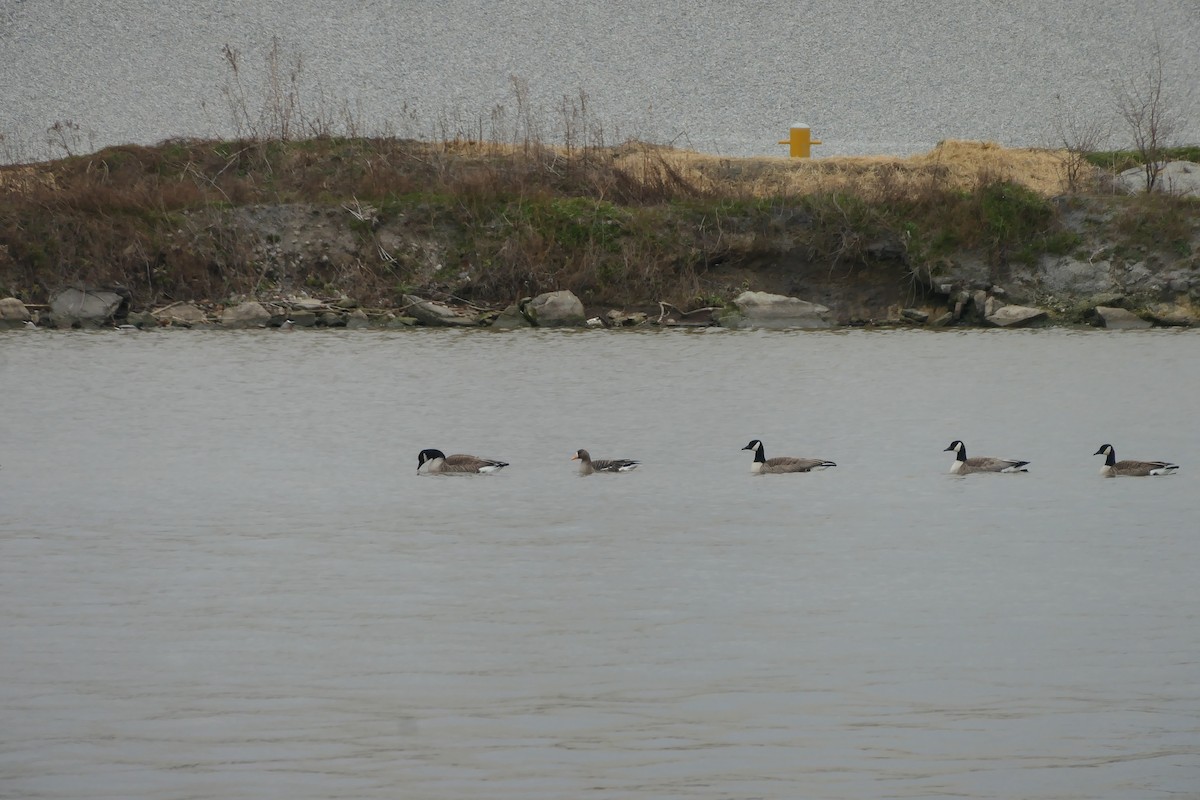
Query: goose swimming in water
[[435, 462], [1113, 468], [587, 466], [771, 466], [965, 466]]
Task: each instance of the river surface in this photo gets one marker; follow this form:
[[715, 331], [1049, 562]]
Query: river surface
[[221, 575]]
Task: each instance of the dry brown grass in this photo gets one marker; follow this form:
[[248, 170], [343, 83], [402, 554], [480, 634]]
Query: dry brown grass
[[953, 164], [633, 172], [626, 223], [23, 179]]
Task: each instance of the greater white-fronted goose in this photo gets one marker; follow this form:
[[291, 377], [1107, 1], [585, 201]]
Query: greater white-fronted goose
[[435, 462], [770, 466], [587, 466], [965, 466], [1113, 468]]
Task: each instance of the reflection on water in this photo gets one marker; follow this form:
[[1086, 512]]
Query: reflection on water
[[222, 576]]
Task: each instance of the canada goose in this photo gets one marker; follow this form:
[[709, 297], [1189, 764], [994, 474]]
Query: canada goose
[[964, 466], [769, 466], [587, 466], [1113, 468], [435, 462]]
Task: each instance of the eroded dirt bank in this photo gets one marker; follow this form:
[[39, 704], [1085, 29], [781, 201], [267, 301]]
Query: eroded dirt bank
[[947, 238]]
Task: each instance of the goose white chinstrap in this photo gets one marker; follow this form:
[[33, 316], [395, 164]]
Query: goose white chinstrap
[[434, 462], [781, 464], [1130, 468], [965, 466]]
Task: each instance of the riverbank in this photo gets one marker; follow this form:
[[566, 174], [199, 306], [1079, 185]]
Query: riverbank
[[364, 231]]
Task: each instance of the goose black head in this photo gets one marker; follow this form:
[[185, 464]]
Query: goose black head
[[1107, 450], [428, 454], [959, 448]]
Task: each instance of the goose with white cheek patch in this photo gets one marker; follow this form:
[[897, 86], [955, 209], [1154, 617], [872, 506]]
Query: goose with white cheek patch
[[965, 466], [587, 466], [1128, 468], [435, 462], [772, 466]]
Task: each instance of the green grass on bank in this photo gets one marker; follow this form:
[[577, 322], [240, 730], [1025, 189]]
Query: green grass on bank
[[1115, 161], [627, 225]]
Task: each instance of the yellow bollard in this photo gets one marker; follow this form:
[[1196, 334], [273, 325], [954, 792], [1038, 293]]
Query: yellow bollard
[[801, 141]]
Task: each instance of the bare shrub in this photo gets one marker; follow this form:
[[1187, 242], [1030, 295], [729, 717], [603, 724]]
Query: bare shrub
[[646, 174], [273, 110], [1077, 136], [1150, 115], [15, 148], [527, 131], [69, 137]]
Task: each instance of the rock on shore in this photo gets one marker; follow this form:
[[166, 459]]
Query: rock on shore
[[1176, 177], [429, 312], [250, 314], [13, 313], [75, 307], [775, 311], [1121, 319], [555, 309]]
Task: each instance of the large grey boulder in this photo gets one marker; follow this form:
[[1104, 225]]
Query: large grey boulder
[[357, 320], [1121, 319], [308, 304], [431, 312], [1181, 315], [1015, 316], [184, 314], [511, 318], [250, 314], [555, 309], [13, 313], [765, 310], [74, 306], [1176, 177]]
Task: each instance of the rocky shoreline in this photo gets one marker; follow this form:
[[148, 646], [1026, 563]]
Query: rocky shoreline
[[77, 308], [1102, 284], [262, 235]]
